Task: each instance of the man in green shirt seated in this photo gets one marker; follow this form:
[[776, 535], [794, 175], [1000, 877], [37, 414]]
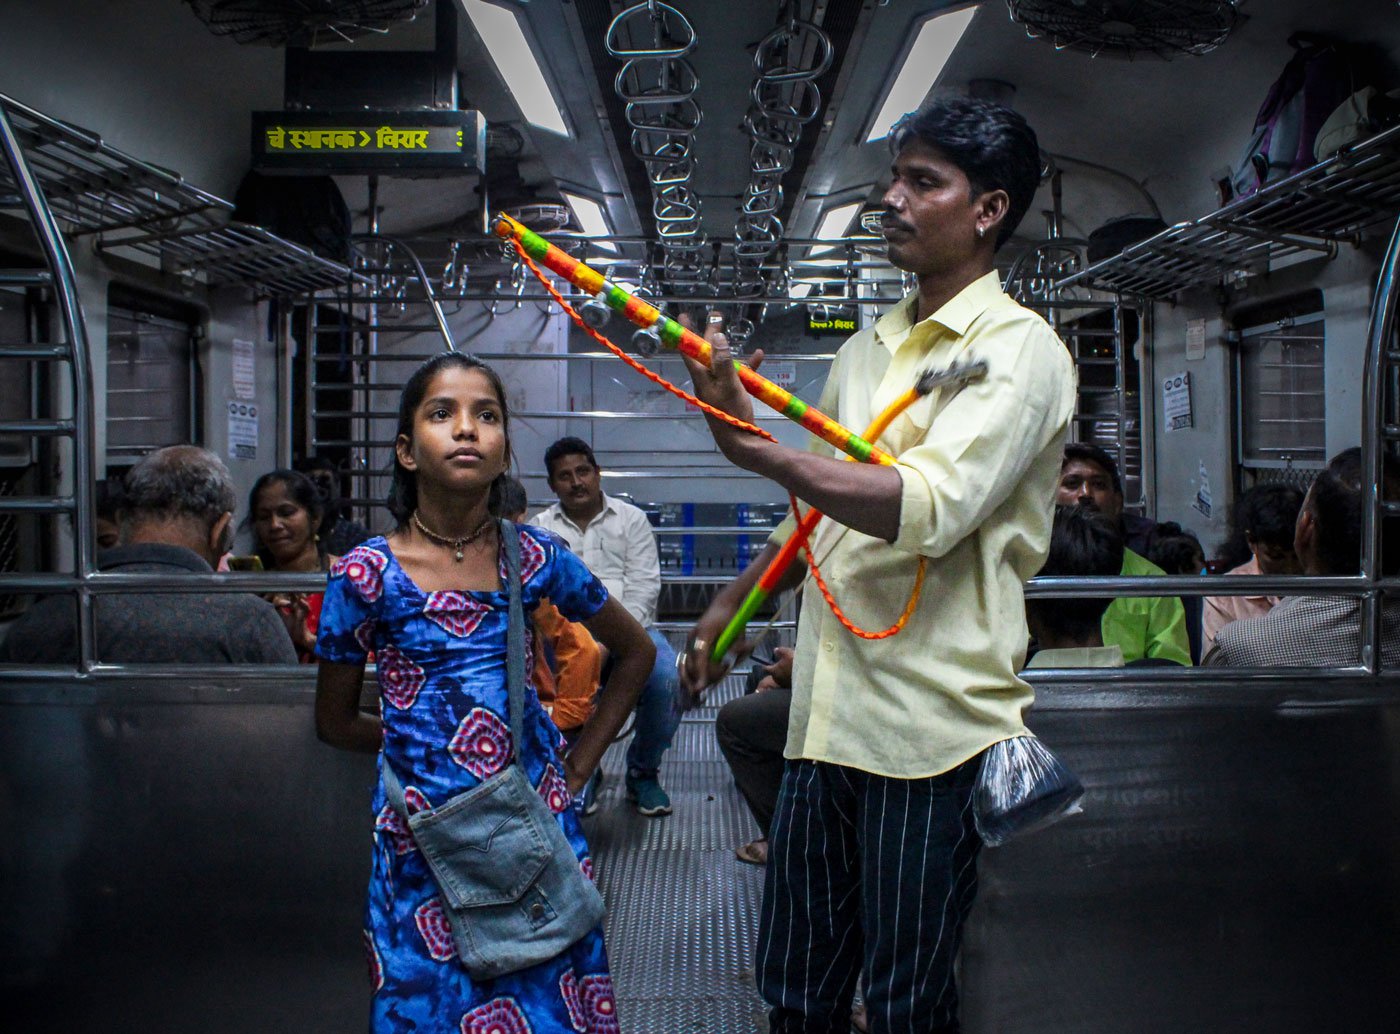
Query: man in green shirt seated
[[1142, 626]]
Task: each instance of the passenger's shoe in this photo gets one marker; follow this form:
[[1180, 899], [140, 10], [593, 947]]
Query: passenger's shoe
[[646, 792], [591, 789]]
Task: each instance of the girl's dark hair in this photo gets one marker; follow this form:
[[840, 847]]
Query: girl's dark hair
[[1174, 549], [303, 492], [403, 489], [993, 146], [1269, 513]]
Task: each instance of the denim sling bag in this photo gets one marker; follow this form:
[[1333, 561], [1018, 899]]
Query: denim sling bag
[[510, 881]]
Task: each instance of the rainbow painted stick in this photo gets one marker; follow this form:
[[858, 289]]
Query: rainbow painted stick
[[648, 317], [773, 573]]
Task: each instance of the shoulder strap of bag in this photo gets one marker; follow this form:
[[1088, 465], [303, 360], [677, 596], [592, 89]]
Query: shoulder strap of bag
[[515, 665], [515, 637]]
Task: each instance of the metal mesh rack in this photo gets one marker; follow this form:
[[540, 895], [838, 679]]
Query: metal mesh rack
[[1332, 201], [95, 188], [138, 207], [238, 253]]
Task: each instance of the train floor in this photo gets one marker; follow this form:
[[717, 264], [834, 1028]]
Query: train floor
[[682, 910]]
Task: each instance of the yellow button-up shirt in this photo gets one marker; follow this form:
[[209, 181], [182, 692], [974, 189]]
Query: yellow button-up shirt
[[979, 467]]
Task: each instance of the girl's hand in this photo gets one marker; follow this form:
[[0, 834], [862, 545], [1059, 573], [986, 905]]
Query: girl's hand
[[575, 778]]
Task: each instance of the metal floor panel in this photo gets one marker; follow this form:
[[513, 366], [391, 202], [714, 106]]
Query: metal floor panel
[[682, 911]]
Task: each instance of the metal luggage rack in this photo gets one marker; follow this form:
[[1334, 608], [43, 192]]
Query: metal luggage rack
[[93, 188], [239, 253], [1311, 211]]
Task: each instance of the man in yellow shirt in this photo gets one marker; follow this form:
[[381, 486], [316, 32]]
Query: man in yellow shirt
[[872, 847]]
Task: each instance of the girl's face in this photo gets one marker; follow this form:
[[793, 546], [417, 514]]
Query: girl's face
[[282, 524], [1273, 559], [459, 434]]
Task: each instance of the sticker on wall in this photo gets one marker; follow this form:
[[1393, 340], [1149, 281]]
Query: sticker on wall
[[782, 373], [1176, 401], [1201, 504], [1195, 339], [242, 430], [244, 369]]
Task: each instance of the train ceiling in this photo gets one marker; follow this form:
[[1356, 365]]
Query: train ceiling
[[1136, 115]]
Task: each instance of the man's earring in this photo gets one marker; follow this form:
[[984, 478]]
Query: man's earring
[[981, 232]]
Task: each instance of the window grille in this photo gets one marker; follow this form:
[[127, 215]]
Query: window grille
[[150, 384], [1282, 401]]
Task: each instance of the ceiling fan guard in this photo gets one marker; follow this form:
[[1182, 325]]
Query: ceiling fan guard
[[1128, 28], [278, 23]]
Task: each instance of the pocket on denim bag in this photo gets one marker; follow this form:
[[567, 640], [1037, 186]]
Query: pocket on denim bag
[[485, 846]]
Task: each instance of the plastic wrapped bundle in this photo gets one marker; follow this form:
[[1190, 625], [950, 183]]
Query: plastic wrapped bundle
[[1022, 787]]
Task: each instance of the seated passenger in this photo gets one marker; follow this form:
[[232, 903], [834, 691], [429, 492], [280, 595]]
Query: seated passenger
[[568, 661], [616, 541], [1143, 626], [177, 519], [1264, 521], [1177, 551], [1069, 632], [752, 732], [108, 504], [1322, 631], [339, 533], [284, 510]]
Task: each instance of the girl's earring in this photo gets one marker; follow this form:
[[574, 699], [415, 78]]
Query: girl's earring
[[981, 232]]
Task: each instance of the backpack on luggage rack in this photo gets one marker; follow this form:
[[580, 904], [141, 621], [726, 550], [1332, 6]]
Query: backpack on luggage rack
[[1317, 79]]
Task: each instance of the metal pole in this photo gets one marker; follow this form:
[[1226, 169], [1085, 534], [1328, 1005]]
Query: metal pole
[[84, 441], [285, 377], [1378, 334]]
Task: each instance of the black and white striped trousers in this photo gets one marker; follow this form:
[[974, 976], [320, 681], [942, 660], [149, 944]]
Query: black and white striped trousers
[[866, 874]]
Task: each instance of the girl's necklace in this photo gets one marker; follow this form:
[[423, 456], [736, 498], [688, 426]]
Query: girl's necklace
[[457, 545]]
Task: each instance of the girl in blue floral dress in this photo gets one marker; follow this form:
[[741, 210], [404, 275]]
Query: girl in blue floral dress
[[429, 601]]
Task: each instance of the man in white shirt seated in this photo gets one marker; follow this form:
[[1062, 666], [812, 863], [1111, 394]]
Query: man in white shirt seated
[[615, 540]]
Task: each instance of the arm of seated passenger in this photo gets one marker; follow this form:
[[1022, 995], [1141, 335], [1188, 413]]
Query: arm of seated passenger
[[1166, 630], [577, 664]]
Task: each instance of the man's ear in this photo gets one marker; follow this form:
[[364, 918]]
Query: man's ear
[[403, 452], [992, 208], [221, 535], [1304, 533]]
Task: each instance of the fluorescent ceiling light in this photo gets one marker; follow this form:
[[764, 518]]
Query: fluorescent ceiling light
[[832, 227], [591, 219], [800, 290], [836, 221], [516, 63], [934, 44]]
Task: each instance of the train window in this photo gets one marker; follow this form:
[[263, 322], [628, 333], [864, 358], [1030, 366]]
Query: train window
[[151, 376], [1282, 401]]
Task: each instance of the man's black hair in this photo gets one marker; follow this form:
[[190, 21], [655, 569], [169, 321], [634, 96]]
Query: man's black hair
[[1082, 542], [1087, 453], [1335, 504], [993, 146], [569, 446], [1175, 550], [1268, 513]]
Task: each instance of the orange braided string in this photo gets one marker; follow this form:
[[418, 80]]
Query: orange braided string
[[743, 425]]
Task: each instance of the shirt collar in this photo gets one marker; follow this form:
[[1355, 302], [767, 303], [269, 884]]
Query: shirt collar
[[148, 553], [957, 314], [609, 506], [1079, 657]]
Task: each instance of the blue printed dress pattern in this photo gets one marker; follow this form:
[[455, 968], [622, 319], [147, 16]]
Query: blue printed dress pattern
[[441, 659]]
